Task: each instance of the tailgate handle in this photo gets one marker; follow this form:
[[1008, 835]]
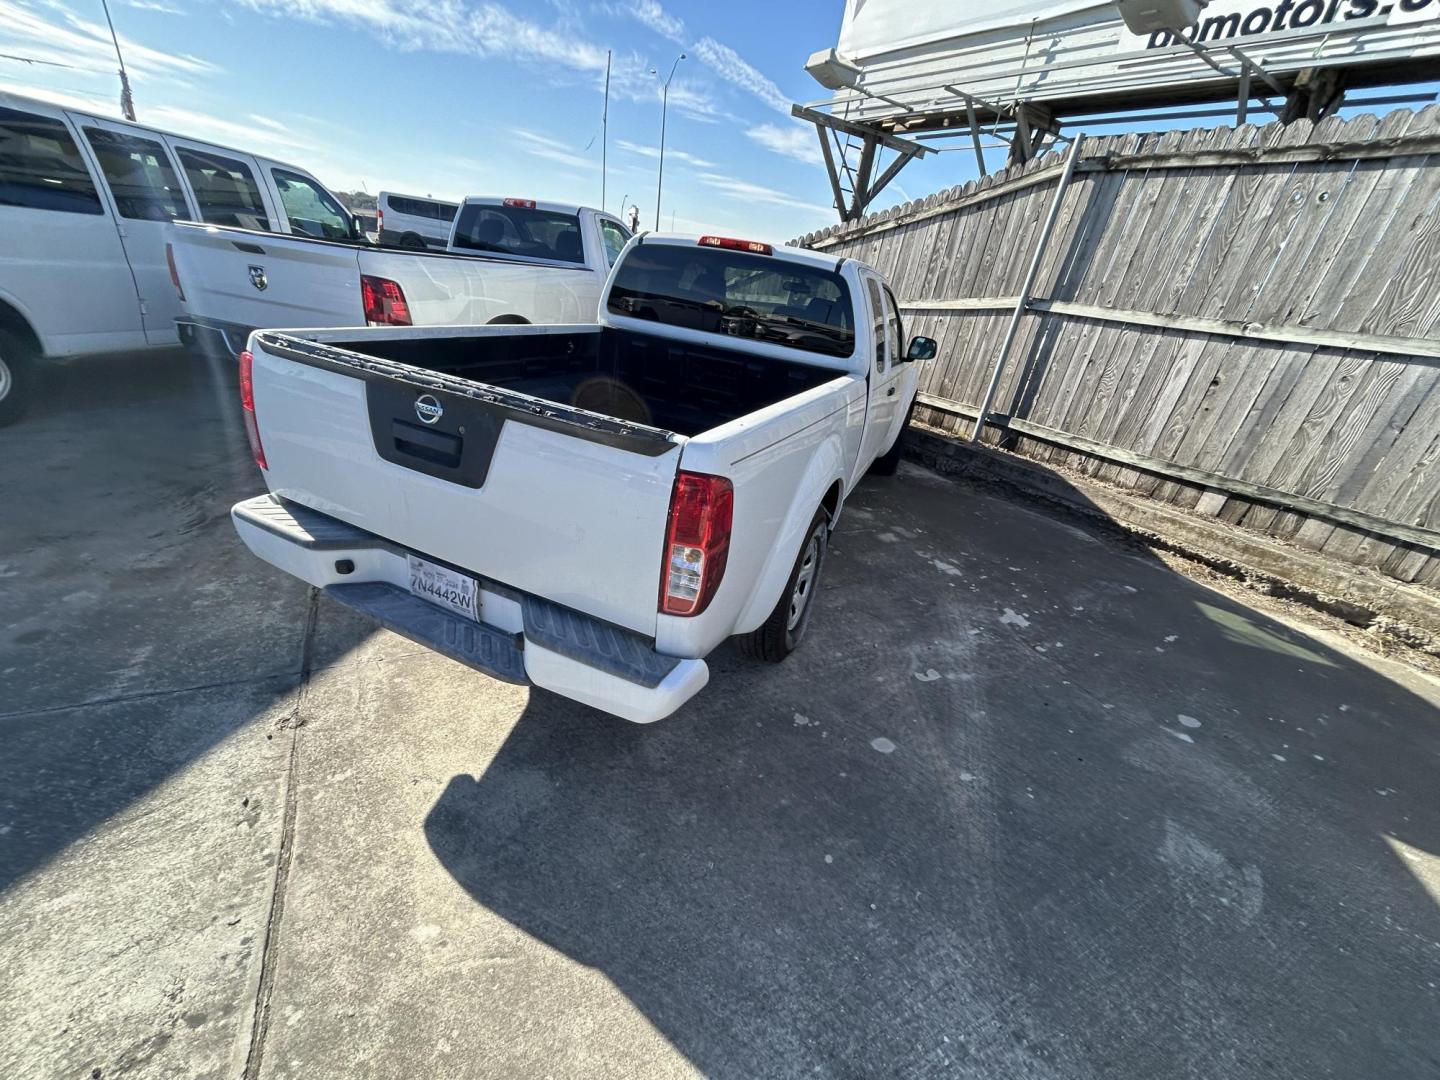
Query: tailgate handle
[[435, 447]]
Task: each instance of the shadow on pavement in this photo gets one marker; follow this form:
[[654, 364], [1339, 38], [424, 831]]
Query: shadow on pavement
[[138, 633], [1023, 804]]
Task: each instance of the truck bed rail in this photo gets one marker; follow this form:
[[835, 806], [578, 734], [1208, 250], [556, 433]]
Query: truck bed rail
[[506, 404]]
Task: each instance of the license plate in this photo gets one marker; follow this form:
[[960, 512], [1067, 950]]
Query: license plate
[[442, 586]]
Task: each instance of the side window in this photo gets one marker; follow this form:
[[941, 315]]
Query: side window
[[41, 167], [139, 174], [894, 329], [310, 209], [225, 190], [615, 237], [879, 322]]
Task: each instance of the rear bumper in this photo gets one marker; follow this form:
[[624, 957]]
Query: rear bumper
[[212, 337], [522, 638]]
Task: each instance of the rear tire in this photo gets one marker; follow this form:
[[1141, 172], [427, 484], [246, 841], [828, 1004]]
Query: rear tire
[[780, 634], [17, 376], [412, 242], [888, 462]]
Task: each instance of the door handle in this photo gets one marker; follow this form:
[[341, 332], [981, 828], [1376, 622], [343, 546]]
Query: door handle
[[890, 392]]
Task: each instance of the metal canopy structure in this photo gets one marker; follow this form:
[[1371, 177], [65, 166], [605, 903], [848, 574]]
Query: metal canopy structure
[[854, 158], [907, 75]]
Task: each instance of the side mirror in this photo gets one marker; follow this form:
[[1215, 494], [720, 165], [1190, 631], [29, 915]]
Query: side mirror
[[921, 348]]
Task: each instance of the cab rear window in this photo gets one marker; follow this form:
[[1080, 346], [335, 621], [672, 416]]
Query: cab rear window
[[720, 291], [520, 230]]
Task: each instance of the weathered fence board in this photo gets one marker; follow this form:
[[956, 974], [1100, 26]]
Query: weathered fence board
[[1243, 321]]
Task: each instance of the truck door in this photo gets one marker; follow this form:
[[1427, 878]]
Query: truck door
[[309, 209], [146, 191], [224, 187], [885, 374], [63, 262]]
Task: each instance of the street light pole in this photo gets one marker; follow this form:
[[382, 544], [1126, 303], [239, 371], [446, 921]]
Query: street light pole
[[664, 105]]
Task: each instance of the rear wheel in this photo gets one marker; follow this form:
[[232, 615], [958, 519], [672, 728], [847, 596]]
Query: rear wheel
[[779, 635], [17, 372], [888, 462], [412, 241]]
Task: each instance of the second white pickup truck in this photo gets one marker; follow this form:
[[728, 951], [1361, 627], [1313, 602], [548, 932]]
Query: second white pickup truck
[[508, 261], [589, 509]]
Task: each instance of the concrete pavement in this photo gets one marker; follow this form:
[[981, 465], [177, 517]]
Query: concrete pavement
[[1026, 804]]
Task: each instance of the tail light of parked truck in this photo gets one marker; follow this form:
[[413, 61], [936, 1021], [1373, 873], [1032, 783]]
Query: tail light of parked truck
[[384, 301], [247, 407], [697, 542]]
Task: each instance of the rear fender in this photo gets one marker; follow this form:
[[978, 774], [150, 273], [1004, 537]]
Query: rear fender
[[826, 468]]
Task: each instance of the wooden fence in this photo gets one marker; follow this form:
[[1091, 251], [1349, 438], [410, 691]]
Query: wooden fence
[[1240, 321]]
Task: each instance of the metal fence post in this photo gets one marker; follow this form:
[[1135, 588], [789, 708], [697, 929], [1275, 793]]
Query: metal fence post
[[1060, 188]]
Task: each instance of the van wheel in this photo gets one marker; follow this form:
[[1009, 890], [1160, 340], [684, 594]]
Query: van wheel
[[509, 320], [779, 635], [888, 462], [412, 242], [17, 372]]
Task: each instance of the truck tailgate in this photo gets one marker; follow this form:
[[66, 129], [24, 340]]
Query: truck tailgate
[[250, 279], [564, 505]]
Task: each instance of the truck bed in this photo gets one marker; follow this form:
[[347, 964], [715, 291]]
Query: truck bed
[[675, 386]]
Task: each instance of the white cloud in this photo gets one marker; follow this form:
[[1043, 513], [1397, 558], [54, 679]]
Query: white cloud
[[81, 43], [543, 146], [794, 141], [745, 191], [153, 5], [734, 69], [657, 18], [717, 56], [670, 152], [251, 133], [491, 30]]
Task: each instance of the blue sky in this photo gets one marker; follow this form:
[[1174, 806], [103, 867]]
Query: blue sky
[[456, 97]]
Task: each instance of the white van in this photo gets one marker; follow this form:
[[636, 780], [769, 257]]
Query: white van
[[86, 203], [410, 221]]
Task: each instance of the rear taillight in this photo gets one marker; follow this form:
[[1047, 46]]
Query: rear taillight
[[697, 542], [379, 219], [524, 204], [384, 302], [247, 407], [174, 273]]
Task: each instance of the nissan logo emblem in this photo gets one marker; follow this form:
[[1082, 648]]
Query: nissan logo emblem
[[428, 408]]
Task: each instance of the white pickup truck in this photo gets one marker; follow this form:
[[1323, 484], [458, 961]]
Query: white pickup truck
[[508, 261], [589, 509]]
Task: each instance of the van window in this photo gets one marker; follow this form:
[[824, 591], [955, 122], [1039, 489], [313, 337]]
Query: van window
[[310, 209], [426, 208], [224, 189], [519, 230], [615, 237], [140, 176], [41, 167]]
